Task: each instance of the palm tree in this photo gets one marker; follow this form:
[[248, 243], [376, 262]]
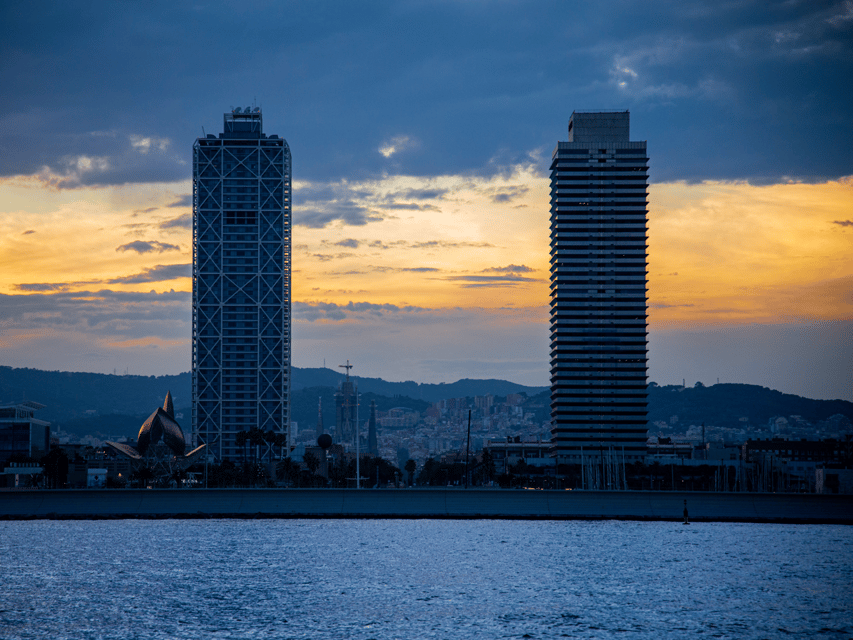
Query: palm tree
[[311, 462], [240, 440], [256, 437], [270, 439]]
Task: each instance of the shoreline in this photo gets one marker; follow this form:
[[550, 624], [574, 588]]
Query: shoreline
[[423, 503]]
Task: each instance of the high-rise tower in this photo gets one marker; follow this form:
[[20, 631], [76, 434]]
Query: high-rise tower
[[598, 289], [241, 283]]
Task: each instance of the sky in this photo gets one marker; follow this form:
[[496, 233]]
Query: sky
[[421, 135]]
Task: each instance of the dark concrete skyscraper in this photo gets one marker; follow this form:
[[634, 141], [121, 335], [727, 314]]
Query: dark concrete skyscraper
[[598, 289], [241, 284]]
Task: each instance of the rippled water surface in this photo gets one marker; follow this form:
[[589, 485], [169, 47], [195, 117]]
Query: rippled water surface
[[423, 579]]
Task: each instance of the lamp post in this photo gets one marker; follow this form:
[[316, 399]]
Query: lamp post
[[357, 443]]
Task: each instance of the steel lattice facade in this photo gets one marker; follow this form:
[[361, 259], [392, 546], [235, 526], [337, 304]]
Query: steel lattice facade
[[241, 284], [599, 340]]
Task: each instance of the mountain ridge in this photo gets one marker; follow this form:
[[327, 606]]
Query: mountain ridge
[[82, 402]]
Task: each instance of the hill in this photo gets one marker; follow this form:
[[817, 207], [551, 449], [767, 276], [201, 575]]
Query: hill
[[727, 405], [91, 403], [117, 404]]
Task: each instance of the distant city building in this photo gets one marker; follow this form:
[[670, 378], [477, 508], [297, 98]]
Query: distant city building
[[598, 289], [372, 445], [241, 284], [21, 433], [346, 410]]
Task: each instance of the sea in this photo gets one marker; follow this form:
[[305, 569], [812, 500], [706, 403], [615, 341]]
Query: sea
[[412, 579]]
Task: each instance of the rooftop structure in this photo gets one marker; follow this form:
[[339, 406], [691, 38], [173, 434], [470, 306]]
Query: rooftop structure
[[160, 445]]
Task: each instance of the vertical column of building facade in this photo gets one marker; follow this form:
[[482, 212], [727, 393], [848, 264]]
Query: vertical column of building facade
[[241, 284], [598, 290]]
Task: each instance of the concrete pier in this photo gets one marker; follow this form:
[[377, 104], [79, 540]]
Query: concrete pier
[[451, 503]]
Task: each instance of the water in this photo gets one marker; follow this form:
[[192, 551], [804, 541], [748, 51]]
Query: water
[[423, 579]]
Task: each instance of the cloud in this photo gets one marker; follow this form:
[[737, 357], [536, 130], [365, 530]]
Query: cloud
[[420, 194], [405, 269], [27, 232], [60, 330], [508, 194], [160, 273], [47, 287], [328, 257], [841, 20], [477, 281], [464, 93], [148, 246], [181, 222], [395, 145], [317, 215], [144, 144], [408, 205], [512, 268], [843, 223], [349, 242], [313, 311], [446, 244], [183, 201]]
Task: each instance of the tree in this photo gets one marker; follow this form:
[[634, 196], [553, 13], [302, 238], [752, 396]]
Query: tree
[[256, 437], [270, 437], [288, 470], [241, 439], [487, 467], [410, 467], [55, 465], [311, 462], [428, 472]]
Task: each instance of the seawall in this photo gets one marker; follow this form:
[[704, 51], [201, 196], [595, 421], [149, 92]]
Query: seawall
[[424, 503]]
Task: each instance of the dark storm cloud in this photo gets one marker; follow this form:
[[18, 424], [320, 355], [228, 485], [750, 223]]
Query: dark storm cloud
[[748, 90], [148, 246]]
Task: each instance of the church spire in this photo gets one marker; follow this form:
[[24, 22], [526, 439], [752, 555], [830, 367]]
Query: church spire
[[168, 407]]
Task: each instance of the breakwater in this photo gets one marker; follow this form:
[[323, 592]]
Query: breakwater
[[424, 503]]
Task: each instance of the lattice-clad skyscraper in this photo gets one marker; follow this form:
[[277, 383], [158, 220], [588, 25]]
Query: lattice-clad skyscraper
[[241, 284], [598, 289]]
